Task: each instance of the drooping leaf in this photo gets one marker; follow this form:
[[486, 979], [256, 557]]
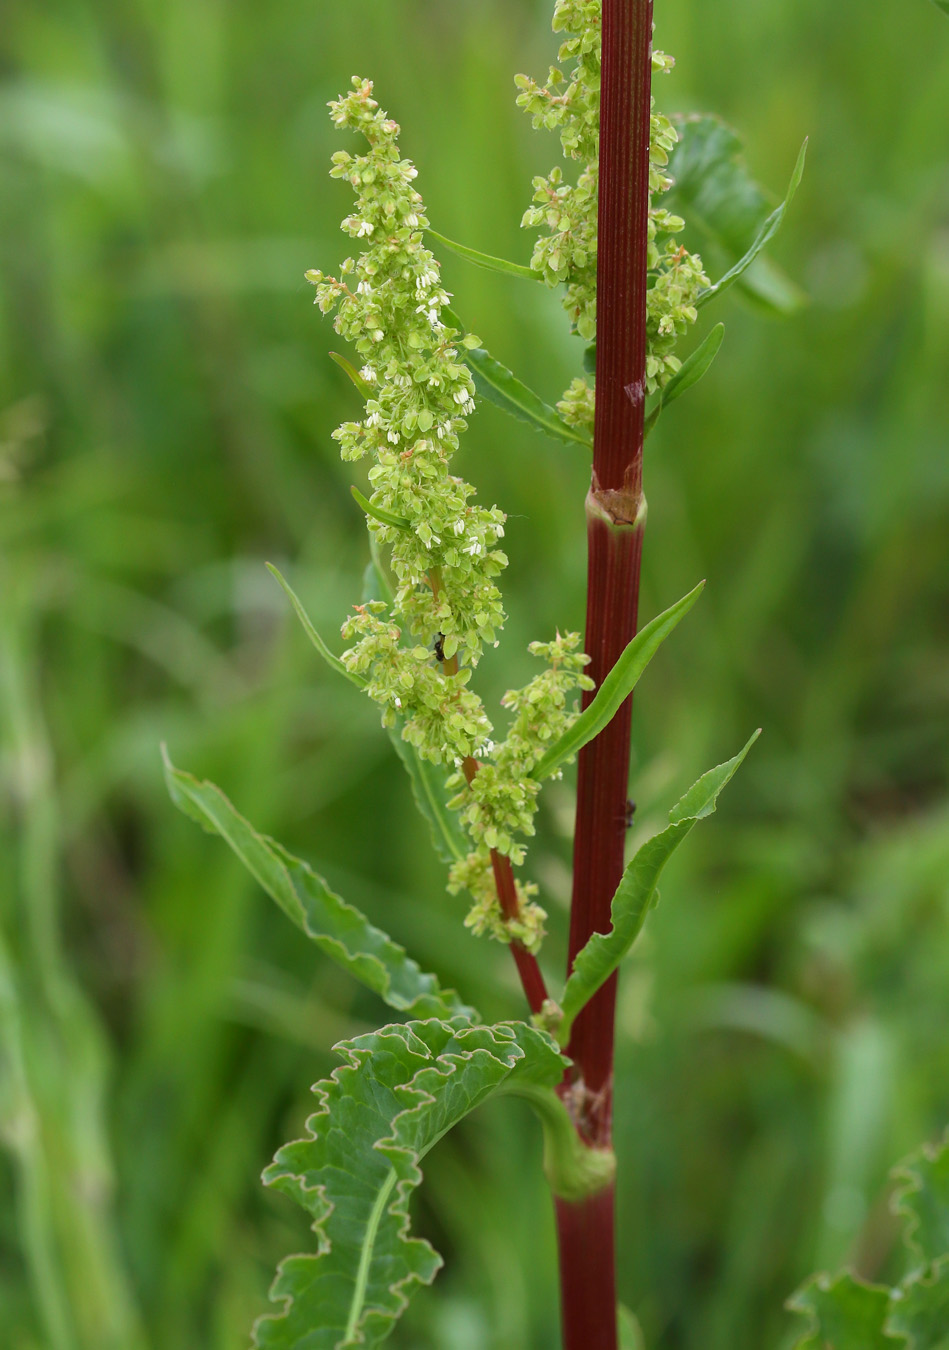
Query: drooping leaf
[[919, 1309], [426, 778], [728, 210], [377, 513], [399, 1091], [486, 261], [845, 1314], [636, 893], [691, 371], [364, 387], [332, 661], [431, 798], [616, 687], [499, 385], [923, 1201], [337, 928]]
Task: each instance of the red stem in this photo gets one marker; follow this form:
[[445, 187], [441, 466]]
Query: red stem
[[615, 516], [532, 979]]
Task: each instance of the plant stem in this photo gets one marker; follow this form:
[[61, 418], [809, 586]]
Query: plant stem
[[615, 518]]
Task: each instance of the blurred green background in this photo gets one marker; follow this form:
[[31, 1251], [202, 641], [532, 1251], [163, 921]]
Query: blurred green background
[[166, 404]]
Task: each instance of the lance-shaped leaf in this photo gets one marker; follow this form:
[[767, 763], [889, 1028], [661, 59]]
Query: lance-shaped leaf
[[499, 385], [919, 1309], [616, 687], [332, 661], [486, 260], [845, 1314], [636, 893], [339, 930], [427, 779], [689, 373], [399, 1091], [767, 232], [377, 513], [923, 1201], [364, 387], [727, 209]]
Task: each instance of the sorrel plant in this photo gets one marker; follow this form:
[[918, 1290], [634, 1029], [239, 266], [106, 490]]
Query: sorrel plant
[[432, 608]]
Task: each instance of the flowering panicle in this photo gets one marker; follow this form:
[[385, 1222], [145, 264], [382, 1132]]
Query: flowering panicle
[[417, 656], [566, 252]]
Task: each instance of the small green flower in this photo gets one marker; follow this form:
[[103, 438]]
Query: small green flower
[[565, 253]]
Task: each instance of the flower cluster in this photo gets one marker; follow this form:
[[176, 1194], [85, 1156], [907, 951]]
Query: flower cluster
[[417, 656], [498, 802], [566, 252]]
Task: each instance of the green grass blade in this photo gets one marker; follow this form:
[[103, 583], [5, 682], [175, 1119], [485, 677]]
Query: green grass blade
[[337, 928], [636, 892], [767, 232], [690, 372], [399, 1091], [499, 385], [616, 687], [486, 260], [332, 661]]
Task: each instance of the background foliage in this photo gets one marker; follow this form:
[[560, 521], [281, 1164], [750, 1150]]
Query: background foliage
[[165, 409]]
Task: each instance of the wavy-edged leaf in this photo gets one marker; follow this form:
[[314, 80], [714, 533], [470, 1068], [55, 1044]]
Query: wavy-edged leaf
[[485, 260], [340, 931], [616, 687], [377, 513], [919, 1309], [364, 387], [501, 386], [724, 205], [636, 893], [399, 1091], [690, 372], [332, 661], [923, 1200], [845, 1314]]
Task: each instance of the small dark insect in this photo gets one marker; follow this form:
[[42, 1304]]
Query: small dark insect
[[630, 812], [439, 649]]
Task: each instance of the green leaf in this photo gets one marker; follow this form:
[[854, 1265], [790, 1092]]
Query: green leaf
[[500, 386], [431, 798], [486, 260], [920, 1309], [727, 209], [924, 1200], [332, 661], [426, 778], [364, 387], [690, 372], [616, 687], [630, 1332], [338, 929], [398, 1092], [636, 893], [943, 5], [377, 513], [845, 1314], [767, 232]]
